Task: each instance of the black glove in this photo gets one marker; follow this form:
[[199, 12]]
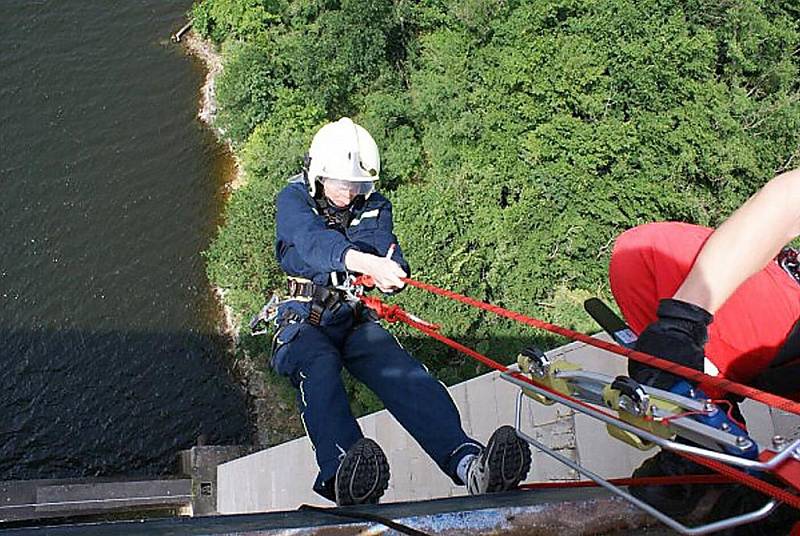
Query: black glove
[[679, 335]]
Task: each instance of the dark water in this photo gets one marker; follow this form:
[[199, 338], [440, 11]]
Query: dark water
[[108, 362]]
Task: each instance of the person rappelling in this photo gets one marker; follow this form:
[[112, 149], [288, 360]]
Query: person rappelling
[[331, 225]]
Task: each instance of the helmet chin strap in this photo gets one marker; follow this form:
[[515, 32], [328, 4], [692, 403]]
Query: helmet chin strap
[[337, 218], [358, 202]]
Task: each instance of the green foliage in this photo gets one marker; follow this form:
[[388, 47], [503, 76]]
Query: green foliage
[[246, 240], [518, 138], [246, 89], [386, 115], [220, 20], [338, 53], [271, 154], [276, 147]]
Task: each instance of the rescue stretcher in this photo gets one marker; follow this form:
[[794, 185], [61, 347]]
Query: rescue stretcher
[[648, 417]]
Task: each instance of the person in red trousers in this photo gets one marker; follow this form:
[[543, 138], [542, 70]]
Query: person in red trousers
[[724, 301]]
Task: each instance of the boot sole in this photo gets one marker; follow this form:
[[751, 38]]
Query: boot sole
[[363, 476], [508, 459]]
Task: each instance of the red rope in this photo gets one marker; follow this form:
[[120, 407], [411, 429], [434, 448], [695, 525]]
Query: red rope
[[393, 313], [639, 481], [730, 413], [666, 420], [691, 374], [746, 479]]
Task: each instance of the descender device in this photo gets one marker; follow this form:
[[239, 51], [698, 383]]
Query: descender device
[[683, 420]]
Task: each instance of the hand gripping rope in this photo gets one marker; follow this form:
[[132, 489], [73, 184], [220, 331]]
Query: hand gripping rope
[[784, 464]]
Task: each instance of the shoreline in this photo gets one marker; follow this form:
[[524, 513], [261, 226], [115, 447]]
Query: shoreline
[[244, 368], [207, 53]]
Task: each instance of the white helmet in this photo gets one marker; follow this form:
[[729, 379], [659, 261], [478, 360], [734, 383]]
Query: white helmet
[[343, 151]]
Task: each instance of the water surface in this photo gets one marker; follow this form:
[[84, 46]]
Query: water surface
[[108, 359]]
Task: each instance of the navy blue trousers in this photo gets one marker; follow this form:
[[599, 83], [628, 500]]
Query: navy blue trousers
[[312, 357]]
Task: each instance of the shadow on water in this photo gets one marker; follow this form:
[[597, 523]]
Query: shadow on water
[[77, 403]]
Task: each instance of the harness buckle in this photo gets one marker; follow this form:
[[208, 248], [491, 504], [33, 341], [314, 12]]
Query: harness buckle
[[320, 301], [322, 298], [300, 289]]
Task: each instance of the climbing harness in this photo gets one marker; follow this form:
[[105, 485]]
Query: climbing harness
[[639, 415], [321, 298]]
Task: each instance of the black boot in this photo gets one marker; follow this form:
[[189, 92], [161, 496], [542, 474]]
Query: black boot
[[363, 474], [674, 500], [741, 499]]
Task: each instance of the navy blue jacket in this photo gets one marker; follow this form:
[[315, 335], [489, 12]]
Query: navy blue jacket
[[306, 247]]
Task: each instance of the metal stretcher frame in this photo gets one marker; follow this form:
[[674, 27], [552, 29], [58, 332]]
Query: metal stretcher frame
[[750, 517]]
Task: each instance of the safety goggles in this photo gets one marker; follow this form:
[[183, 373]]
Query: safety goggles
[[352, 187]]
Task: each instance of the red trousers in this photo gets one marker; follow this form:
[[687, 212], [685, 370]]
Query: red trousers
[[651, 261]]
